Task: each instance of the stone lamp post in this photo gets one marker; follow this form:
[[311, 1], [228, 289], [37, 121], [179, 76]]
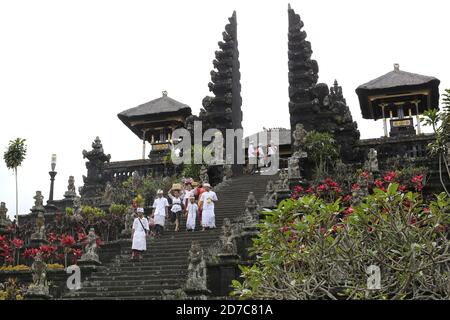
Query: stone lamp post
[[52, 177]]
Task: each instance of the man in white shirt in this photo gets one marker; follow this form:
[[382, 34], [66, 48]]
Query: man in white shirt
[[261, 156], [160, 211], [207, 201]]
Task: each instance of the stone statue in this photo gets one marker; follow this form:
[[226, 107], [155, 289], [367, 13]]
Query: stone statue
[[39, 287], [227, 172], [226, 239], [196, 278], [108, 194], [294, 168], [283, 181], [77, 216], [270, 198], [90, 248], [251, 214], [129, 219], [371, 164], [39, 231], [38, 202], [4, 220], [203, 175], [358, 194], [71, 190], [299, 136]]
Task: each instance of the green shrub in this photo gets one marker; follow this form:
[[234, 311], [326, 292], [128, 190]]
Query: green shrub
[[313, 249]]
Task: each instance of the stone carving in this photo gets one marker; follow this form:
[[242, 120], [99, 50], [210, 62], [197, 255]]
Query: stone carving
[[71, 190], [313, 104], [299, 136], [283, 181], [359, 193], [90, 249], [203, 175], [294, 168], [227, 245], [371, 164], [77, 217], [223, 110], [94, 182], [270, 198], [39, 287], [196, 278], [38, 202], [227, 172], [251, 215], [39, 231], [129, 219], [108, 194], [4, 220]]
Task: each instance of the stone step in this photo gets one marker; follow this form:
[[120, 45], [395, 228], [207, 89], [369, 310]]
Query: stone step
[[137, 277], [132, 283]]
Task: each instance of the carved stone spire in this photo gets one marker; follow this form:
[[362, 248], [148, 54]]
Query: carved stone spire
[[224, 109]]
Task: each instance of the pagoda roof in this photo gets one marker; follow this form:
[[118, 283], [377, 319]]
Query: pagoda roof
[[162, 105], [398, 82], [162, 110]]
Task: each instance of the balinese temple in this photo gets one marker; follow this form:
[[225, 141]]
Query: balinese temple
[[400, 97], [154, 122]]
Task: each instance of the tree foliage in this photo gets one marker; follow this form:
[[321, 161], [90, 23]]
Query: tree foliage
[[322, 150], [311, 248], [15, 154]]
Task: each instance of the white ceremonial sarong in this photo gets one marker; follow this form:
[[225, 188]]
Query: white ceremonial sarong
[[208, 216], [139, 240], [192, 216]]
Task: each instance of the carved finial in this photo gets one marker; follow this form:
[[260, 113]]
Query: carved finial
[[164, 93], [289, 6], [396, 67]]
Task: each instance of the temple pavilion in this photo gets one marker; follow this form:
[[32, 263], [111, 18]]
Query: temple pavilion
[[154, 121], [398, 96]]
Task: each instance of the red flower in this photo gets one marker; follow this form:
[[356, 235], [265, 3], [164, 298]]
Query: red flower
[[298, 189], [331, 183], [77, 253], [30, 252], [67, 241], [2, 238], [347, 198], [310, 190], [322, 187], [17, 243], [356, 186], [284, 229], [81, 236], [52, 237], [402, 188], [379, 183], [364, 174], [370, 229], [417, 179], [418, 186], [390, 176], [348, 211], [426, 210]]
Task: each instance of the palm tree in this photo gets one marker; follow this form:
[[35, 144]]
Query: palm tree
[[14, 157]]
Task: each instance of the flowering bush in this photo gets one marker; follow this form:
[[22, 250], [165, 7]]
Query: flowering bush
[[12, 290], [312, 248]]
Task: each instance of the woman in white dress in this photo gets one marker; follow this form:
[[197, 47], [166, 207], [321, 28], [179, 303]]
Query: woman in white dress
[[160, 211], [192, 210], [139, 234], [208, 198]]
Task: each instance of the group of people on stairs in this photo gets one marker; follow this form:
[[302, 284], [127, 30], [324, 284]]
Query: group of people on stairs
[[190, 200]]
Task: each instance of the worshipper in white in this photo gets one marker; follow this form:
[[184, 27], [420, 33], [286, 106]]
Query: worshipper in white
[[191, 214], [251, 152], [261, 156], [207, 199], [139, 234], [177, 207], [160, 211]]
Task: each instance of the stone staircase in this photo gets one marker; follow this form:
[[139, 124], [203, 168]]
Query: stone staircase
[[164, 266]]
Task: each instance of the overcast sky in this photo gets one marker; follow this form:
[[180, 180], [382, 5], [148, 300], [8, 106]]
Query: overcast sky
[[68, 67]]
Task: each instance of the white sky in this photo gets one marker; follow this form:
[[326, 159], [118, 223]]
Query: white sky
[[68, 67]]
